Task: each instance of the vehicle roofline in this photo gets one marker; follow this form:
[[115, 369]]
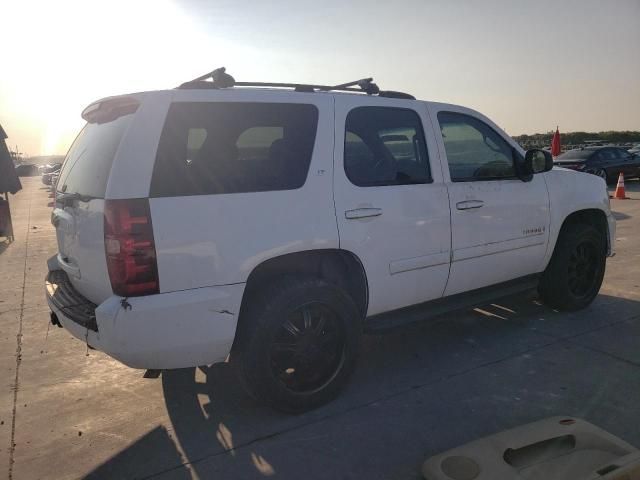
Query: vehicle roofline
[[267, 90]]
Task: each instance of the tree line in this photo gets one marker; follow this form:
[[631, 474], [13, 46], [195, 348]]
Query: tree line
[[577, 138]]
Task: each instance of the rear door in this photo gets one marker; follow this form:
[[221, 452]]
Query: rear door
[[241, 176], [500, 224], [391, 205]]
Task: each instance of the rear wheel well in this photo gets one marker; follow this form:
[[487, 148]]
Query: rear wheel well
[[339, 267], [594, 217]]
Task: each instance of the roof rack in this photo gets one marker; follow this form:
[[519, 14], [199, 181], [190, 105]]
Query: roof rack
[[221, 79]]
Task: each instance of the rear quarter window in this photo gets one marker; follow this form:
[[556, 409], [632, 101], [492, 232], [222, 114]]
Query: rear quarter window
[[88, 163], [233, 147]]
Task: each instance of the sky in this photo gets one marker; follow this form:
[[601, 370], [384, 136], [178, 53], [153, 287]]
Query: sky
[[527, 64]]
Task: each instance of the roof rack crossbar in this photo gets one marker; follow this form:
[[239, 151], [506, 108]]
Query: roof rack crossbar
[[352, 84], [220, 79], [295, 85]]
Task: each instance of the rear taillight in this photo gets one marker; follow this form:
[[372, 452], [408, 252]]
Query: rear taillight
[[130, 248]]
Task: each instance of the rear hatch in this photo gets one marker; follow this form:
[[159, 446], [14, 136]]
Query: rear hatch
[[78, 216]]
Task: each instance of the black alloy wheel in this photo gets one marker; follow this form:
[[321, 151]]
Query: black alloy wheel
[[583, 264], [575, 272], [297, 343], [308, 348]]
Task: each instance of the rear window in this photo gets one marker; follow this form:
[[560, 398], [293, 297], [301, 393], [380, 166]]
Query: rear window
[[88, 163], [575, 155], [214, 148]]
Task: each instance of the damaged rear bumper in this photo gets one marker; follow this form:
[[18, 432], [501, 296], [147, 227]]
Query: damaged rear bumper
[[168, 330], [69, 301]]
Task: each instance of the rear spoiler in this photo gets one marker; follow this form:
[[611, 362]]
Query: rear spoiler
[[110, 109]]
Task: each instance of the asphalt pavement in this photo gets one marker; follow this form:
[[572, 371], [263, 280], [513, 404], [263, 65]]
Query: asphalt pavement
[[70, 412]]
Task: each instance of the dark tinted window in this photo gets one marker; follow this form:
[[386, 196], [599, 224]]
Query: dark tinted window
[[575, 155], [88, 164], [621, 154], [607, 154], [210, 148], [385, 146], [474, 150]]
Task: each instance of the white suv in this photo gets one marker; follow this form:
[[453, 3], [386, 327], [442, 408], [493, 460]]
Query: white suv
[[271, 224]]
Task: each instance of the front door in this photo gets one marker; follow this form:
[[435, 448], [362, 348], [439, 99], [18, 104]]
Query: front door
[[500, 224], [391, 204]]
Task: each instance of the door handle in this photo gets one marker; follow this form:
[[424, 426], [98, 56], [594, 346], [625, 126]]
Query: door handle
[[362, 213], [469, 204]]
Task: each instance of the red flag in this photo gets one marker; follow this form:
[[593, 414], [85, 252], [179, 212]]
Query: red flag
[[555, 143]]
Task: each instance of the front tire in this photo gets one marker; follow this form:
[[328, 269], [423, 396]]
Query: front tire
[[574, 274], [298, 344]]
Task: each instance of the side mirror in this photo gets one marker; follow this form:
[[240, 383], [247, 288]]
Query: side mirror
[[537, 161]]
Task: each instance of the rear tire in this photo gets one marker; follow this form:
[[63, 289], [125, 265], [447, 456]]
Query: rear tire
[[298, 344], [574, 275], [603, 175]]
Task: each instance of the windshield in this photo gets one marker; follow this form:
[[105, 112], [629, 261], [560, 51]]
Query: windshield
[[88, 163]]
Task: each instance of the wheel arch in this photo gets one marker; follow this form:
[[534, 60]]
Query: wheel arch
[[339, 267], [595, 217]]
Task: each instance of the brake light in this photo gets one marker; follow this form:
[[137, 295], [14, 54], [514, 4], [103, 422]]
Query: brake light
[[130, 247]]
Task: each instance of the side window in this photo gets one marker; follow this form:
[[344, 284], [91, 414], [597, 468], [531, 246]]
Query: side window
[[621, 154], [607, 155], [232, 147], [474, 150], [385, 146], [255, 142]]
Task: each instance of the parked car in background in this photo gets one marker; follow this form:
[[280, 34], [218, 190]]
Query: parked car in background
[[50, 168], [54, 181], [634, 151], [27, 170], [50, 172], [605, 162]]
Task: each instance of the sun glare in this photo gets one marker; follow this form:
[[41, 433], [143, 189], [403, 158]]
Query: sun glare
[[79, 51]]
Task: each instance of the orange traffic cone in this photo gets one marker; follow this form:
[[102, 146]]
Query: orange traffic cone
[[620, 193]]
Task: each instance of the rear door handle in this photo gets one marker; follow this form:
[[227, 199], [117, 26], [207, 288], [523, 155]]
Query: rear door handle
[[362, 213], [469, 204]]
